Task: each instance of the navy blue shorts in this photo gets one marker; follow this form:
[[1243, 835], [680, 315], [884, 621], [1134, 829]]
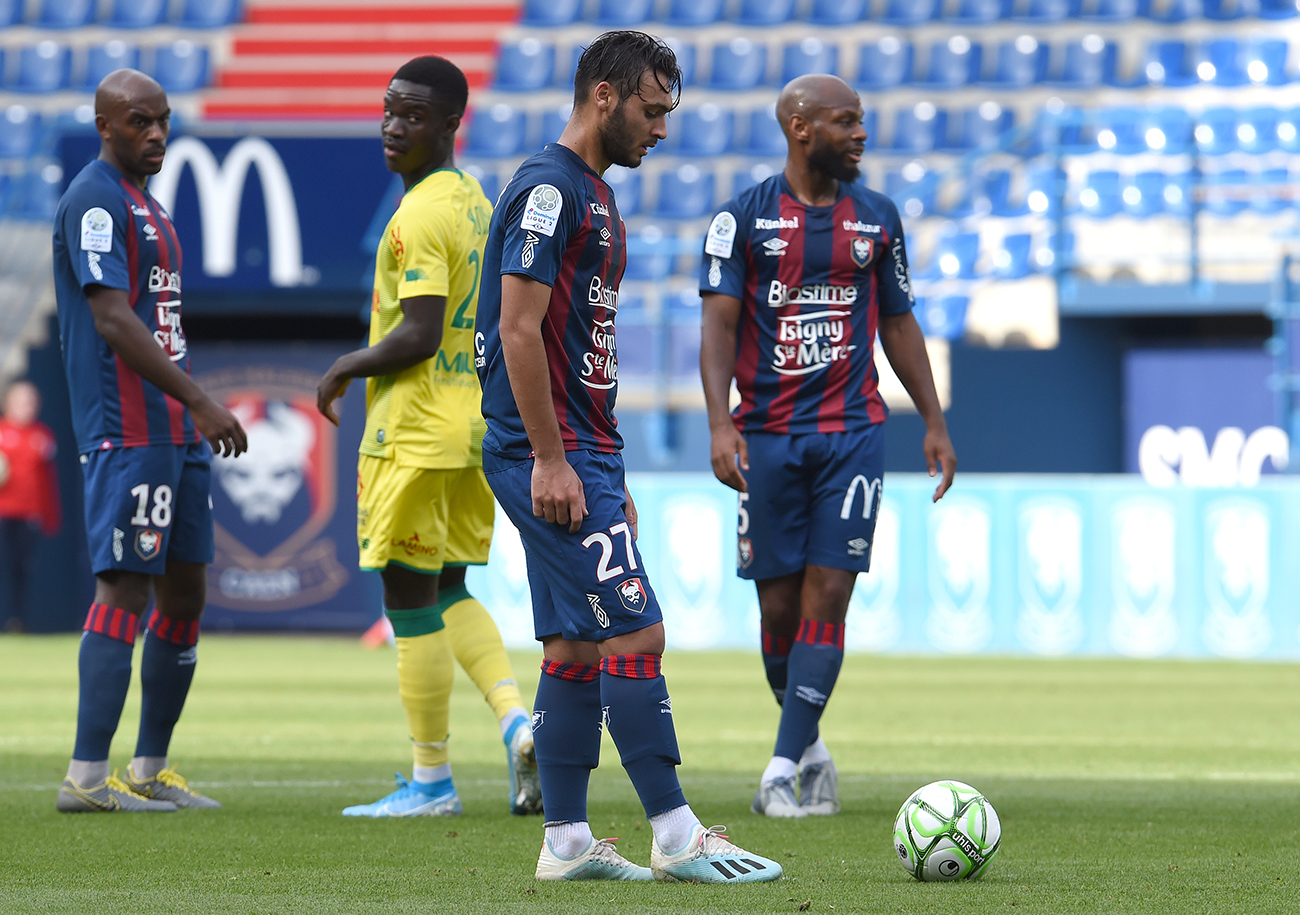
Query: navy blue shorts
[[588, 586], [147, 505], [812, 500]]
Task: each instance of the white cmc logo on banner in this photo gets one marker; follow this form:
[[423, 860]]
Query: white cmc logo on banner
[[1050, 573], [960, 573], [1143, 576], [220, 189], [874, 623], [1237, 546]]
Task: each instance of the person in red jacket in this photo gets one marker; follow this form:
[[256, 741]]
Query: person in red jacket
[[29, 491]]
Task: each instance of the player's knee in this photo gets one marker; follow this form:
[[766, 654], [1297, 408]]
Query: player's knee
[[649, 640], [405, 589], [128, 590]]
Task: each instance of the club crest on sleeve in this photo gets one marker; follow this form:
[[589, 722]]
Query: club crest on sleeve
[[96, 230], [862, 249], [722, 235], [148, 544], [542, 212], [631, 594]]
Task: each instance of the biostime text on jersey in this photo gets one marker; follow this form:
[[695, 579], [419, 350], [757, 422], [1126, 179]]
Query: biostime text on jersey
[[810, 342], [600, 364]]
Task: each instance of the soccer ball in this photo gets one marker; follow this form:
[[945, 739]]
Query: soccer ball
[[947, 831]]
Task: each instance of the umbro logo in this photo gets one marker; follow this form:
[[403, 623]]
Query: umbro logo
[[775, 247], [667, 706], [858, 546], [602, 618], [810, 695], [739, 865]]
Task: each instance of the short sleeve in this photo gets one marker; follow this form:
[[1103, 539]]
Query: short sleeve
[[894, 279], [95, 224], [539, 219], [722, 269], [425, 262]]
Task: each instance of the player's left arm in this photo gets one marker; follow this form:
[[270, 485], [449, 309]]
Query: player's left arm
[[904, 346]]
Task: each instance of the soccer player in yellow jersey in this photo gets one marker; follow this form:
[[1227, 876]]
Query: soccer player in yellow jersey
[[424, 510]]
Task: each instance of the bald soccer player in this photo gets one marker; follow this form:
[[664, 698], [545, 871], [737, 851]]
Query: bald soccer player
[[799, 273], [145, 432]]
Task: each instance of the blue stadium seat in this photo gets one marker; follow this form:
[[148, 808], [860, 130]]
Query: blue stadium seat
[[1216, 131], [942, 316], [765, 135], [837, 12], [619, 14], [1144, 195], [1109, 10], [551, 13], [66, 14], [37, 193], [954, 257], [685, 52], [568, 69], [1044, 188], [738, 64], [626, 185], [1277, 9], [181, 66], [1226, 193], [980, 12], [885, 64], [43, 67], [554, 120], [685, 193], [1266, 61], [1089, 63], [870, 125], [1222, 61], [912, 12], [487, 177], [20, 131], [1271, 196], [103, 59], [812, 55], [693, 12], [747, 178], [1170, 10], [1011, 257], [1257, 130], [650, 253], [1049, 10], [704, 131], [1100, 197], [912, 192], [1225, 10], [525, 66], [11, 12], [982, 125], [1056, 252], [1119, 130], [1166, 129], [496, 132], [1169, 63], [921, 128], [137, 14], [986, 194], [1178, 193], [765, 12], [210, 14], [1022, 62], [955, 62], [1288, 130]]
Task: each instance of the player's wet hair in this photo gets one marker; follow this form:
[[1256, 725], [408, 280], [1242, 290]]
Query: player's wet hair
[[621, 59], [442, 76]]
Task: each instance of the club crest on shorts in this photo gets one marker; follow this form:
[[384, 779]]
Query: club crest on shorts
[[862, 249], [744, 552], [148, 544], [632, 595]]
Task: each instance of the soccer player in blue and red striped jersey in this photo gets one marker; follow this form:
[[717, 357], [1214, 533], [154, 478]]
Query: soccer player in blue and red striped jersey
[[546, 355], [799, 275], [143, 430]]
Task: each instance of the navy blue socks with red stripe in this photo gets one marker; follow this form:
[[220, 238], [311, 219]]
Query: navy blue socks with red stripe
[[566, 735], [814, 666], [639, 715], [166, 671], [776, 664], [104, 669]]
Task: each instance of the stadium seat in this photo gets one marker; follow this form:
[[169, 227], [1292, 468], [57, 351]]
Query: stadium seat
[[1049, 10], [551, 13], [1226, 193], [919, 129], [11, 12], [955, 62], [1167, 129], [103, 59], [1170, 10], [1277, 9], [1257, 130], [1109, 10], [685, 52], [812, 55], [20, 131], [1044, 188], [210, 14], [66, 14], [911, 191], [982, 125], [693, 12], [525, 66], [1266, 61], [1222, 61], [1287, 130], [1010, 258], [704, 131], [1056, 252], [986, 194], [1089, 63], [1144, 195], [765, 135], [942, 316], [1022, 62], [765, 12], [626, 185], [1216, 131], [746, 178], [738, 64], [1271, 194], [650, 253], [1224, 10], [181, 66], [496, 132], [981, 12], [885, 64], [620, 14], [685, 193], [872, 127], [37, 193], [1100, 197], [43, 67], [554, 120], [137, 14], [837, 12], [954, 257], [1169, 63], [1117, 130], [1178, 193], [912, 12]]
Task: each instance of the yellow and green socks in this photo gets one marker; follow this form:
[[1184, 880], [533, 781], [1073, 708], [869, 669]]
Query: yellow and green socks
[[476, 643], [425, 670]]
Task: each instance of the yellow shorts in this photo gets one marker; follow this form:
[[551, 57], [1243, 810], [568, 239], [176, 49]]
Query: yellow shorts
[[422, 519]]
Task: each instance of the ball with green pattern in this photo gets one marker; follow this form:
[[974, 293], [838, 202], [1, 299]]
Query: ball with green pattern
[[947, 831]]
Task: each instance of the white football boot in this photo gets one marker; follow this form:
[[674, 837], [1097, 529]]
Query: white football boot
[[710, 858], [599, 861]]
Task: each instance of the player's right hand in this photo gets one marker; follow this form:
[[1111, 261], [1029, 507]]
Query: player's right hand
[[220, 427], [331, 388], [728, 448], [557, 494]]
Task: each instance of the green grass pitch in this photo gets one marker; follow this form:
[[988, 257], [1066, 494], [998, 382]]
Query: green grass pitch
[[1123, 786]]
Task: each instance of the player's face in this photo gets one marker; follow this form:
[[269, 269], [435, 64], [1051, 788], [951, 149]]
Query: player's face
[[136, 131], [636, 124], [838, 139], [413, 128]]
